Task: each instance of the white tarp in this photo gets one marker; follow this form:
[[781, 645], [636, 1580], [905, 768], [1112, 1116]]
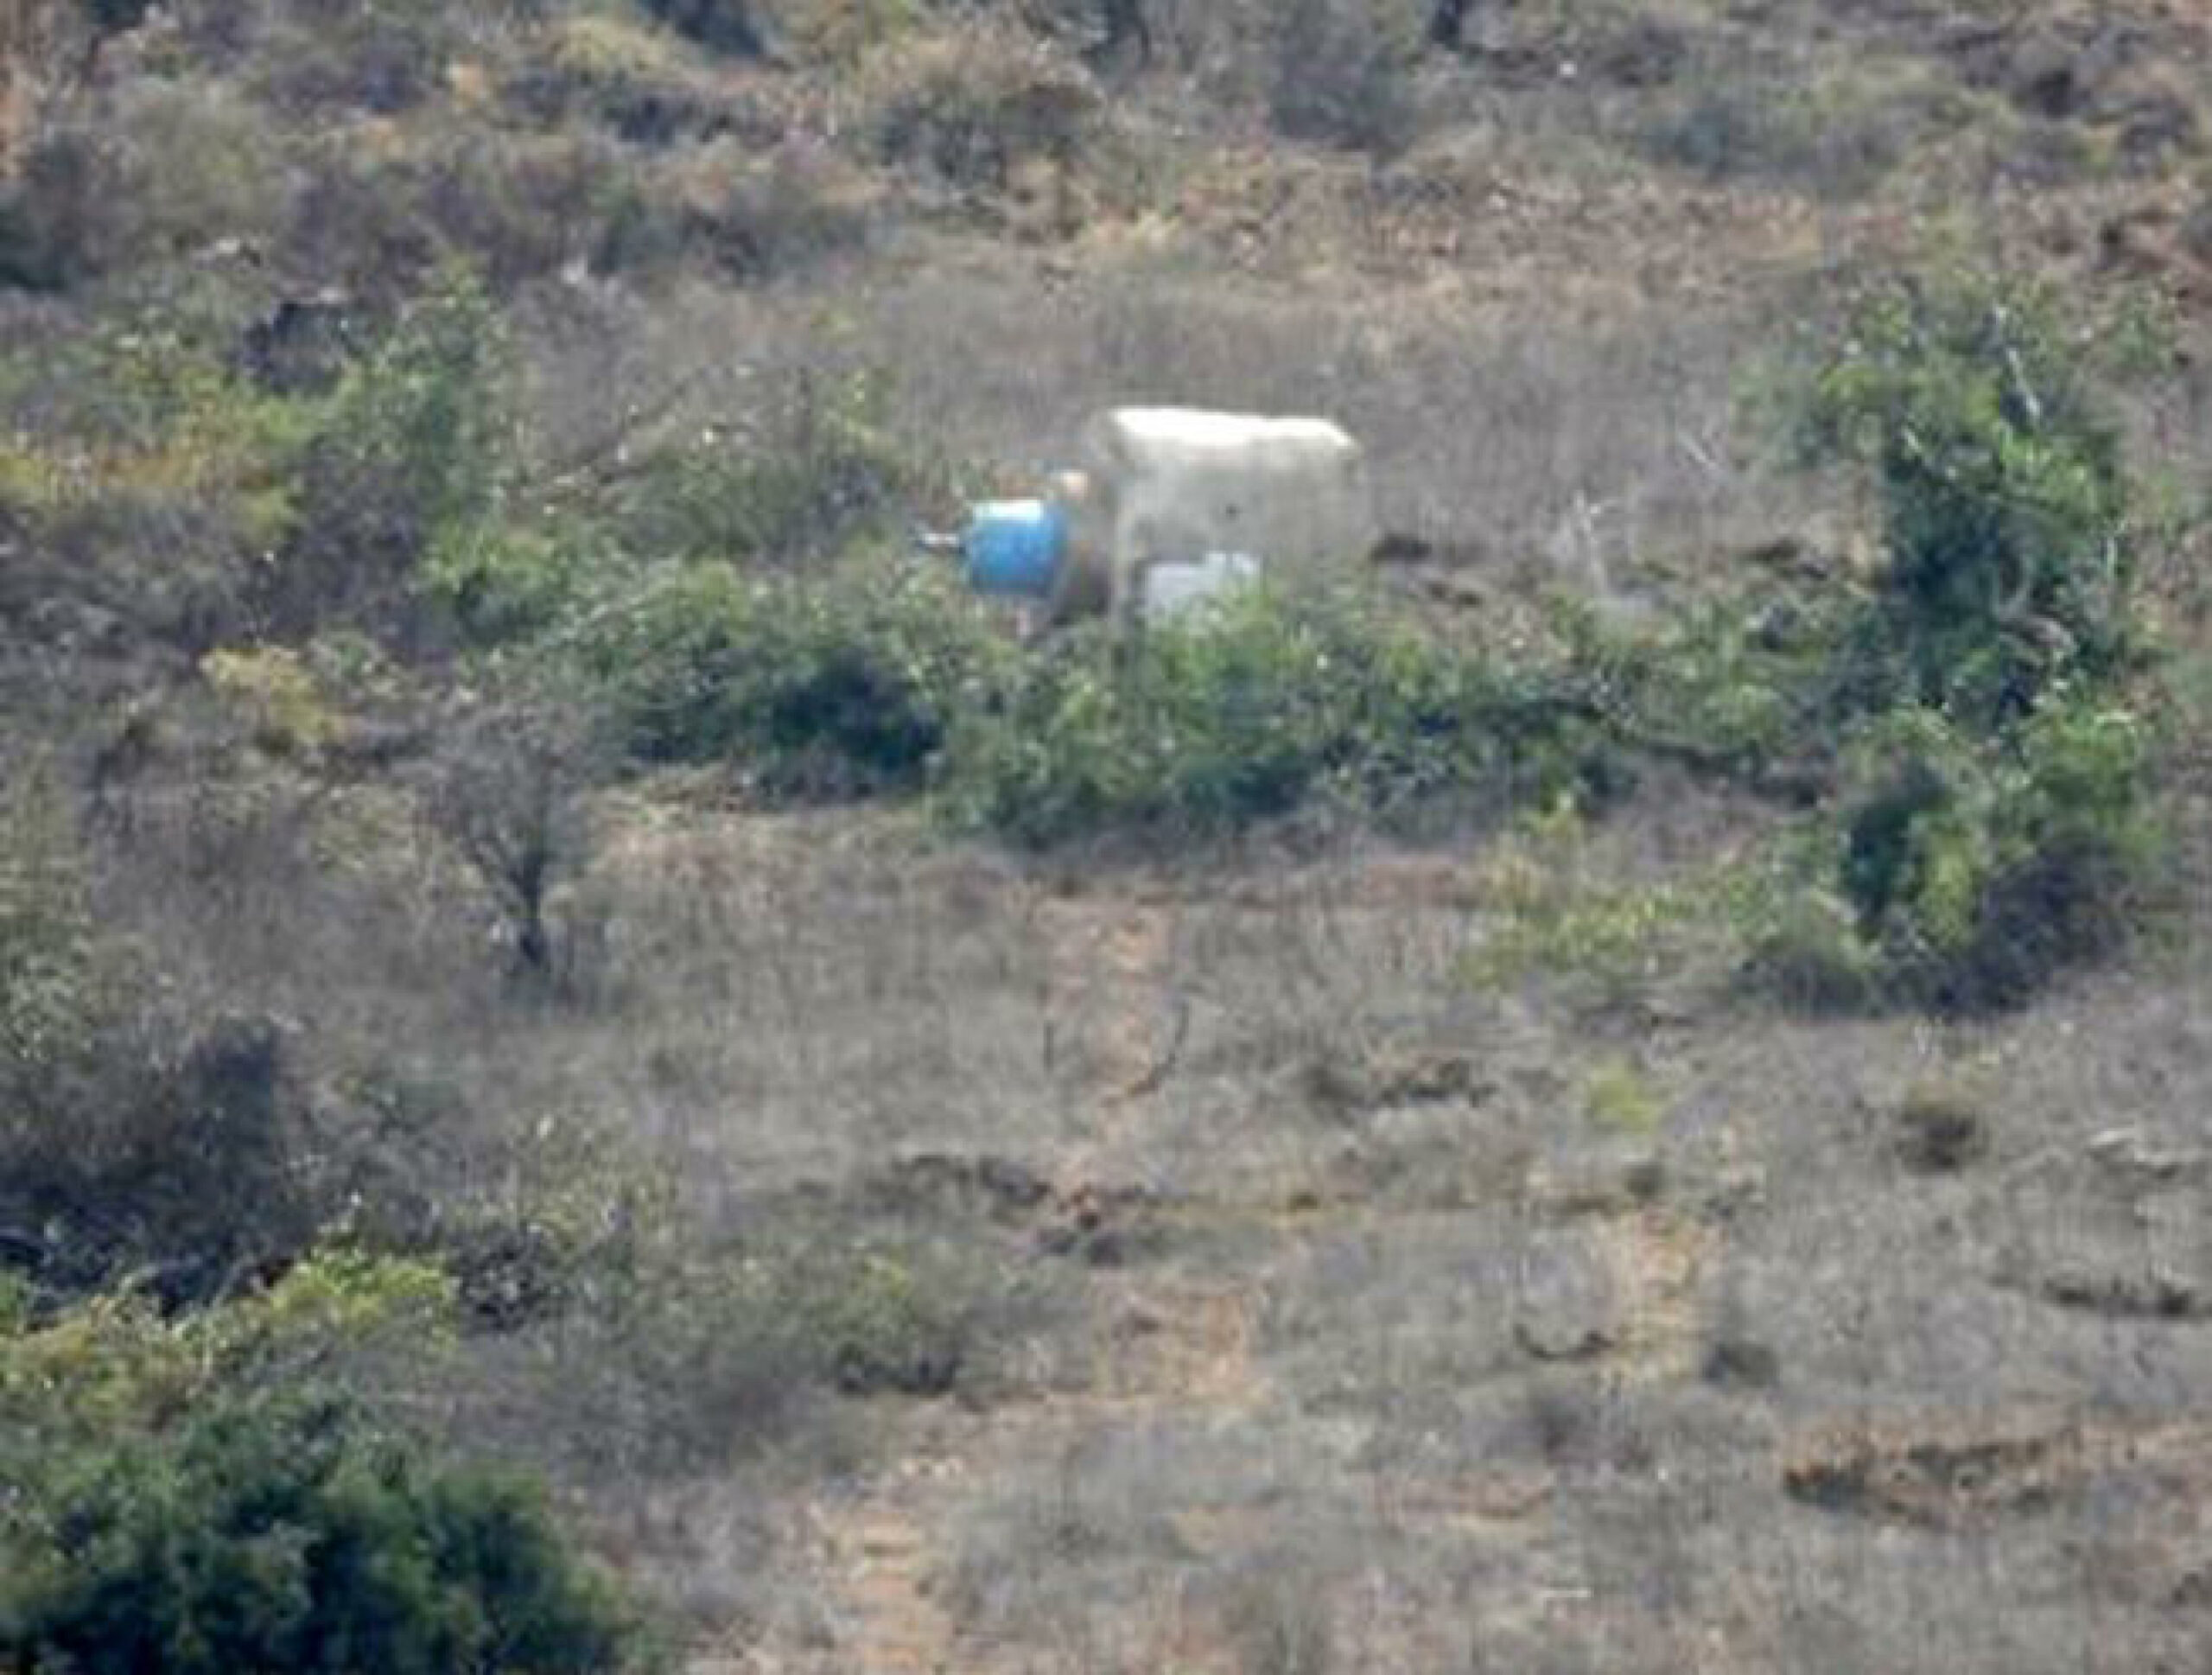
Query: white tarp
[[1172, 486]]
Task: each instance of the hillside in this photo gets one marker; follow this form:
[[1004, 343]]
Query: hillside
[[1625, 1092]]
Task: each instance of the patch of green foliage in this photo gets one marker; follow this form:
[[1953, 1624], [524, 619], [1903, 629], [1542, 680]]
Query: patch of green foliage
[[2003, 498], [835, 686], [1996, 813], [1736, 688], [1961, 872], [194, 1495], [502, 581], [1973, 725], [162, 480], [1618, 1096], [1273, 703], [878, 675], [407, 455], [1603, 946], [817, 474]]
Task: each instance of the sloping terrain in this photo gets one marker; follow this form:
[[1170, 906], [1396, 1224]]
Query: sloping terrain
[[1129, 1255]]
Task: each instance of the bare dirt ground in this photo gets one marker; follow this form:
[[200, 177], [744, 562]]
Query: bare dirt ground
[[1184, 1348]]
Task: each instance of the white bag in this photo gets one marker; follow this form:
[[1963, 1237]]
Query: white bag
[[1173, 589]]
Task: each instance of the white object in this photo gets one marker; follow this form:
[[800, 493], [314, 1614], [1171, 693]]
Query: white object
[[1173, 589], [1172, 486]]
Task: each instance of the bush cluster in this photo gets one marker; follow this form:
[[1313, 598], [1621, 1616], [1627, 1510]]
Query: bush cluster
[[194, 1495], [879, 675], [1997, 817], [1972, 730], [1959, 873], [2002, 495], [175, 484], [818, 685], [1279, 701]]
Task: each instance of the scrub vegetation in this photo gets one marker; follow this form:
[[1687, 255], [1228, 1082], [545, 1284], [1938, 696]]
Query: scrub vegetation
[[601, 1068]]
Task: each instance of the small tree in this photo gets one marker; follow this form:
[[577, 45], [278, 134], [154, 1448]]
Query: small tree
[[2003, 496], [509, 790]]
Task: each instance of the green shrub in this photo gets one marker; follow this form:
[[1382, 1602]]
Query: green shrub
[[2003, 493], [1804, 945], [1736, 687], [275, 694], [186, 1493], [500, 581], [1968, 871], [114, 1363], [2077, 833], [1603, 946], [1271, 703], [881, 1321], [818, 473], [284, 1534], [868, 680], [1996, 816], [409, 451], [835, 686]]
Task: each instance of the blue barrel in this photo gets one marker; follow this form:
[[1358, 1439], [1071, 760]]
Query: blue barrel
[[1015, 547]]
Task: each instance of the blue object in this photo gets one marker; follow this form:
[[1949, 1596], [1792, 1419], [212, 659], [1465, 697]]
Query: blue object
[[1015, 547]]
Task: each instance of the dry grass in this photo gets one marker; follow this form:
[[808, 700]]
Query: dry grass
[[1329, 1330], [1324, 1309], [1458, 1417]]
